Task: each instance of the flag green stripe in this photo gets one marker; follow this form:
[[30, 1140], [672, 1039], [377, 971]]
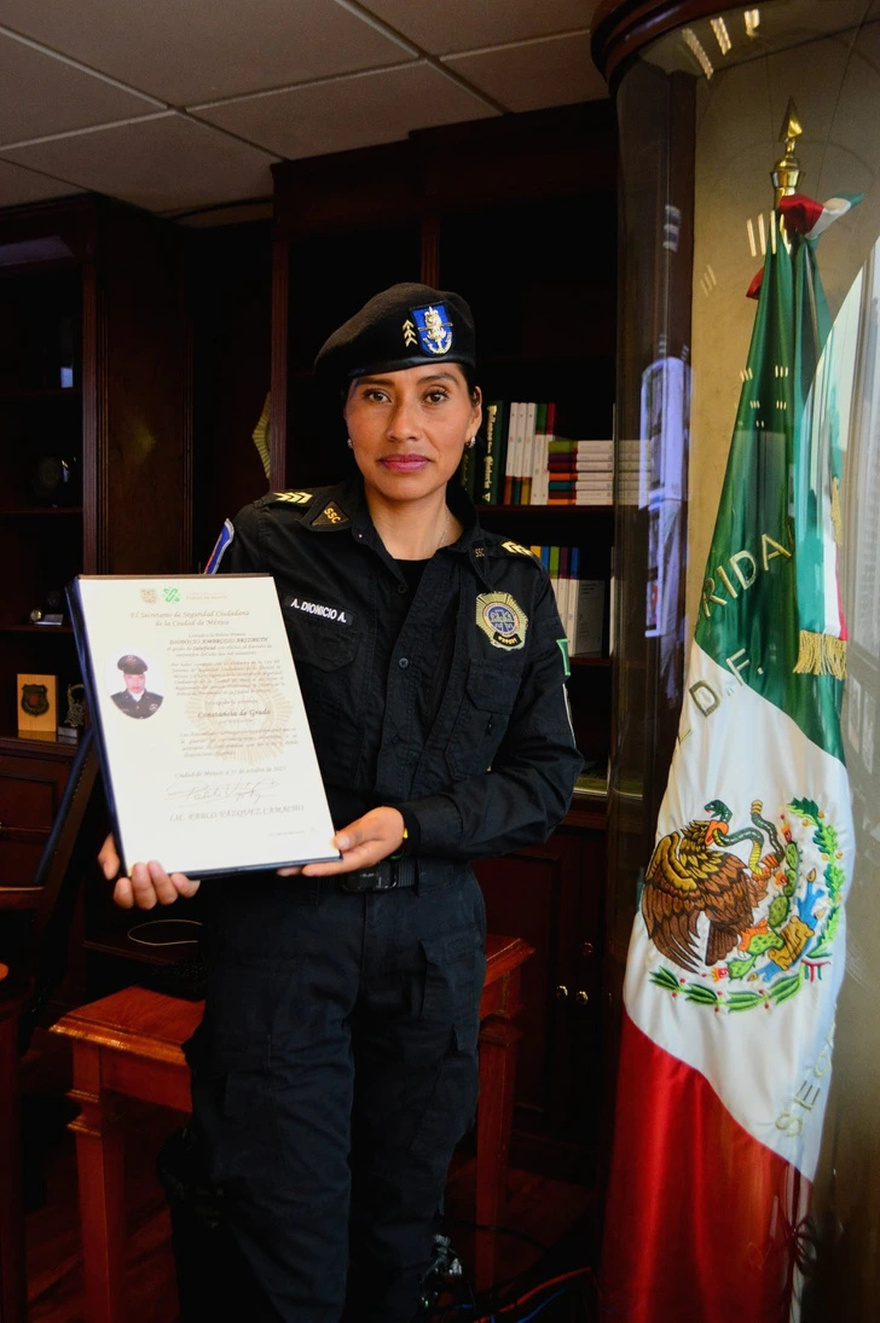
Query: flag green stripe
[[764, 581]]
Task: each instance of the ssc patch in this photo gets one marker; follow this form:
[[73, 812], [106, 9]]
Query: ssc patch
[[329, 517], [516, 549], [338, 614], [434, 329], [293, 498], [502, 620]]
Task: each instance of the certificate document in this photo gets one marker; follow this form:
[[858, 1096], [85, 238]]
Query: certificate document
[[205, 745]]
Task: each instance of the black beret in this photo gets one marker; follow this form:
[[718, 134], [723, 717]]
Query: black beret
[[131, 665], [403, 327]]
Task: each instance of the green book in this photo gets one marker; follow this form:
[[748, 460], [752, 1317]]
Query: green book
[[495, 452]]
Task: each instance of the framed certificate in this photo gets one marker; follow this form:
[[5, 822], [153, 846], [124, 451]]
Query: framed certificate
[[208, 760]]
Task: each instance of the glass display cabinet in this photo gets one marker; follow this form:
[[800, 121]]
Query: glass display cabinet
[[722, 111]]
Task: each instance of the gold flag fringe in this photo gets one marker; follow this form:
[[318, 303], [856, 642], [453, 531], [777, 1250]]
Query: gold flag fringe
[[835, 511], [821, 654], [260, 435]]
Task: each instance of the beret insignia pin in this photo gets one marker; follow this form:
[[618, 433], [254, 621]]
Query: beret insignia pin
[[435, 329]]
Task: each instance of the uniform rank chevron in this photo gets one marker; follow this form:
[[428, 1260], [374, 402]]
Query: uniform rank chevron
[[737, 950]]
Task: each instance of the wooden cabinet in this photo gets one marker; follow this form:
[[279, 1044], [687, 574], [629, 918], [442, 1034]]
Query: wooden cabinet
[[94, 465], [94, 416], [32, 781], [551, 896], [518, 214]]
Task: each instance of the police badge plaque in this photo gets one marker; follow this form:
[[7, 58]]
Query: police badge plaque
[[205, 747], [37, 706]]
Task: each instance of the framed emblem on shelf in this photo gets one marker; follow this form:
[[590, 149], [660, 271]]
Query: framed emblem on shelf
[[37, 706]]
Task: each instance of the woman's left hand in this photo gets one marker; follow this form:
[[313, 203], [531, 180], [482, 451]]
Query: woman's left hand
[[362, 843]]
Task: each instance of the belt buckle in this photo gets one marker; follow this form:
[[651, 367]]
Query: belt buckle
[[363, 879], [371, 879]]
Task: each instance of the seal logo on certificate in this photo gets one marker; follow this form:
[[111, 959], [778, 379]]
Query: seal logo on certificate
[[223, 777]]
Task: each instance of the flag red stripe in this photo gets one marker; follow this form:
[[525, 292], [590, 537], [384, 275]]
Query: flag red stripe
[[699, 1213]]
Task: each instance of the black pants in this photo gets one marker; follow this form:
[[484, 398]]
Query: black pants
[[333, 1074]]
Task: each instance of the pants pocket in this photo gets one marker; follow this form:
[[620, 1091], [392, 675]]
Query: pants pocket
[[454, 972]]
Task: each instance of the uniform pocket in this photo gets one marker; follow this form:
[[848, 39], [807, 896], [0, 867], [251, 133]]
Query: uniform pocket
[[320, 643], [330, 670], [454, 972], [482, 719]]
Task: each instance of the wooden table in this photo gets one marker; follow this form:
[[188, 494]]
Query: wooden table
[[129, 1045]]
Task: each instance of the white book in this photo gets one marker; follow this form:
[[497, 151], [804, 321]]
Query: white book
[[510, 457], [528, 453], [589, 616]]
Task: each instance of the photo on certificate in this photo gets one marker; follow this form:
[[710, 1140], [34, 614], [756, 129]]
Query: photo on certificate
[[205, 747]]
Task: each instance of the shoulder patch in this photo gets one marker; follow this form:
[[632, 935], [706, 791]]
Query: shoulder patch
[[502, 620], [293, 498], [516, 549], [227, 533]]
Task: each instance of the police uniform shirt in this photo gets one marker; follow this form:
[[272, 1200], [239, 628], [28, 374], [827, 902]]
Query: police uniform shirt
[[447, 702], [141, 707]]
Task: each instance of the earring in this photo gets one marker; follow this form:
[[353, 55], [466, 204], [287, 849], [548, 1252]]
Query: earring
[[470, 444], [350, 444]]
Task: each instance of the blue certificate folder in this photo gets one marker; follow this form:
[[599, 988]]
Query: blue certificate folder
[[208, 761]]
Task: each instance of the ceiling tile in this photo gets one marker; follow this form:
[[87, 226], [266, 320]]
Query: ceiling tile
[[167, 163], [202, 50], [460, 25], [346, 113], [40, 94], [18, 185], [535, 74]]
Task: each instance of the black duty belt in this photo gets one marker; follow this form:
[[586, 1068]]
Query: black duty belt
[[387, 875]]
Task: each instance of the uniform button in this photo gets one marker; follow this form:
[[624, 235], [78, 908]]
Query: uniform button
[[403, 663]]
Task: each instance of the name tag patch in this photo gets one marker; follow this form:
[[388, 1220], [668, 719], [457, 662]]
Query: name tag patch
[[340, 614], [502, 620]]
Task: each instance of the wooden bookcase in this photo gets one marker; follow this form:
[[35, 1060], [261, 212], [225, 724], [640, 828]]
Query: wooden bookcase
[[95, 461], [518, 214]]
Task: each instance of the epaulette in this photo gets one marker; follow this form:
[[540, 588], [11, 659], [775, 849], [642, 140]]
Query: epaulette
[[287, 498], [517, 549], [319, 508]]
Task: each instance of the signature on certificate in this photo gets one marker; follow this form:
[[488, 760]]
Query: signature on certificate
[[234, 791]]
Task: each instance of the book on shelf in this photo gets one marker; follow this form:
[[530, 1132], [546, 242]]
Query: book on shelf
[[524, 462], [467, 470], [510, 457], [589, 617], [580, 601], [494, 452], [581, 498], [527, 454]]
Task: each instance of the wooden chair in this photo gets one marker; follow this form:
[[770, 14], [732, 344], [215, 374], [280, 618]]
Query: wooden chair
[[129, 1045]]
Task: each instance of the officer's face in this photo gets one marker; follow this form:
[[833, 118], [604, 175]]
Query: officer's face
[[135, 684], [408, 428]]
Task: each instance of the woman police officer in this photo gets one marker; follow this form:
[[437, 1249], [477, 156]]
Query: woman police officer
[[336, 1065]]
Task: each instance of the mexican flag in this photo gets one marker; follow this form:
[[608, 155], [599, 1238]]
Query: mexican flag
[[737, 950]]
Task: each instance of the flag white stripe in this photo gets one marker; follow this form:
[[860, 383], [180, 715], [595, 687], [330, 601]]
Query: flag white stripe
[[770, 1064]]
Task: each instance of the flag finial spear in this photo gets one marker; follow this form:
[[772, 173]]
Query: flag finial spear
[[787, 170]]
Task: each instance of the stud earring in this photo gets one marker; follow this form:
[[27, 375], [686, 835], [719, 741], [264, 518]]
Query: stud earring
[[470, 444], [350, 444]]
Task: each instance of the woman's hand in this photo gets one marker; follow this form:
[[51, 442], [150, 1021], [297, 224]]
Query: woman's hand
[[362, 843], [149, 884]]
